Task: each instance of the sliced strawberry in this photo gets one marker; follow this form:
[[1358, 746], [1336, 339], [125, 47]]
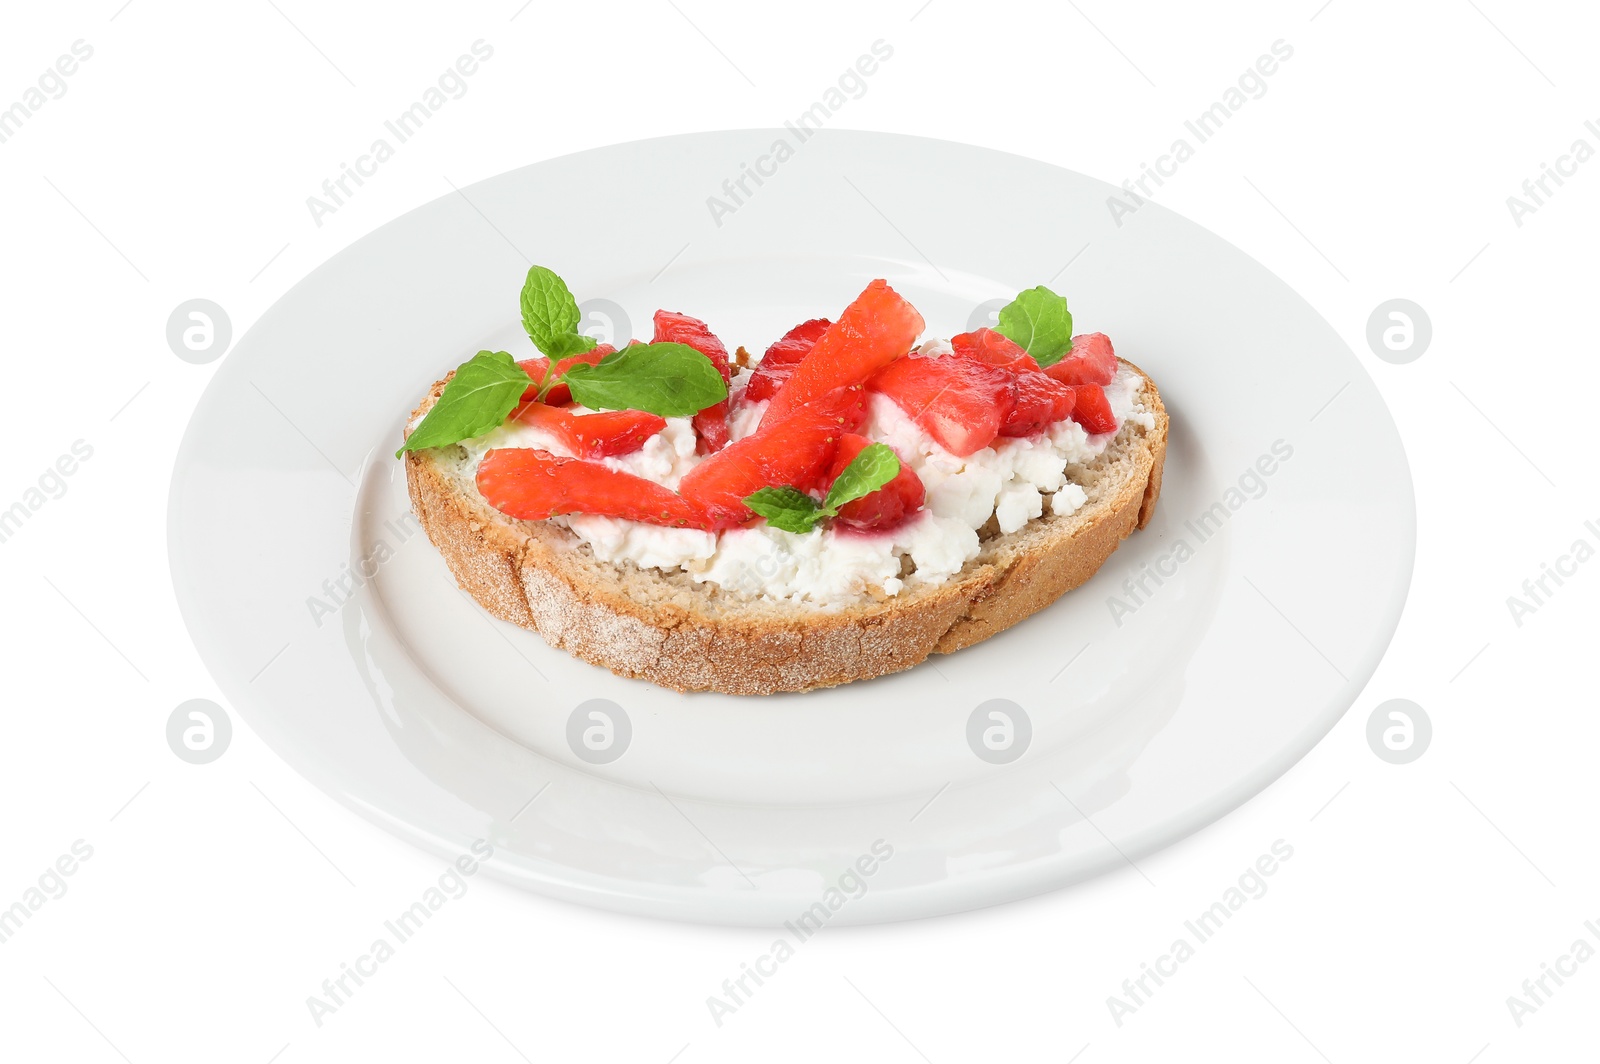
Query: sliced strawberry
[[559, 394], [1091, 361], [995, 348], [532, 485], [711, 429], [1092, 410], [794, 452], [1041, 401], [614, 432], [960, 402], [676, 328], [848, 406], [710, 424], [782, 357], [603, 435], [884, 508], [873, 331]]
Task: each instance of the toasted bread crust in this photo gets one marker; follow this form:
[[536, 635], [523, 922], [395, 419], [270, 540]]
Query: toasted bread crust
[[531, 578]]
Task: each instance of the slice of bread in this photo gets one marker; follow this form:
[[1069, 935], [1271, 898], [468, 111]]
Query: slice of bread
[[668, 629]]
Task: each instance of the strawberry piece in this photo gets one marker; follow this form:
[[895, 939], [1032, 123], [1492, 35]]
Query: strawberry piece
[[532, 485], [675, 328], [1092, 410], [884, 508], [847, 406], [782, 357], [794, 452], [873, 331], [711, 429], [613, 432], [559, 394], [1091, 361], [960, 402], [603, 435], [1041, 401], [710, 424], [995, 348]]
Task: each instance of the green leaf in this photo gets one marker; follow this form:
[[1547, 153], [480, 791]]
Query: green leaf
[[786, 508], [875, 466], [484, 390], [795, 511], [550, 314], [564, 344], [666, 379], [1039, 322]]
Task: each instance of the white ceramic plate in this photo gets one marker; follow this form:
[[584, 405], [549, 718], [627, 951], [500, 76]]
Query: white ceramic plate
[[416, 709]]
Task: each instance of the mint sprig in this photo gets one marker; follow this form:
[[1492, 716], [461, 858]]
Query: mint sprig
[[786, 508], [666, 379], [550, 315], [794, 511], [483, 391], [564, 345], [1039, 322]]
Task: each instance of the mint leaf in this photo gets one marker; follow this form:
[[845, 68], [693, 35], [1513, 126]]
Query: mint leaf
[[786, 509], [795, 511], [666, 379], [564, 344], [1039, 322], [484, 390], [550, 314], [875, 466]]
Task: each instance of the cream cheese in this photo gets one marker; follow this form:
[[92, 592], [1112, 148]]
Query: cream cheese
[[1010, 481]]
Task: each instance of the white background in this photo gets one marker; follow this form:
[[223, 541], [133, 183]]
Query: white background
[[1377, 165]]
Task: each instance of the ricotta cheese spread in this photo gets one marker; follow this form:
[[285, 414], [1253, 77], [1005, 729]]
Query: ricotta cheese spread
[[1011, 481]]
